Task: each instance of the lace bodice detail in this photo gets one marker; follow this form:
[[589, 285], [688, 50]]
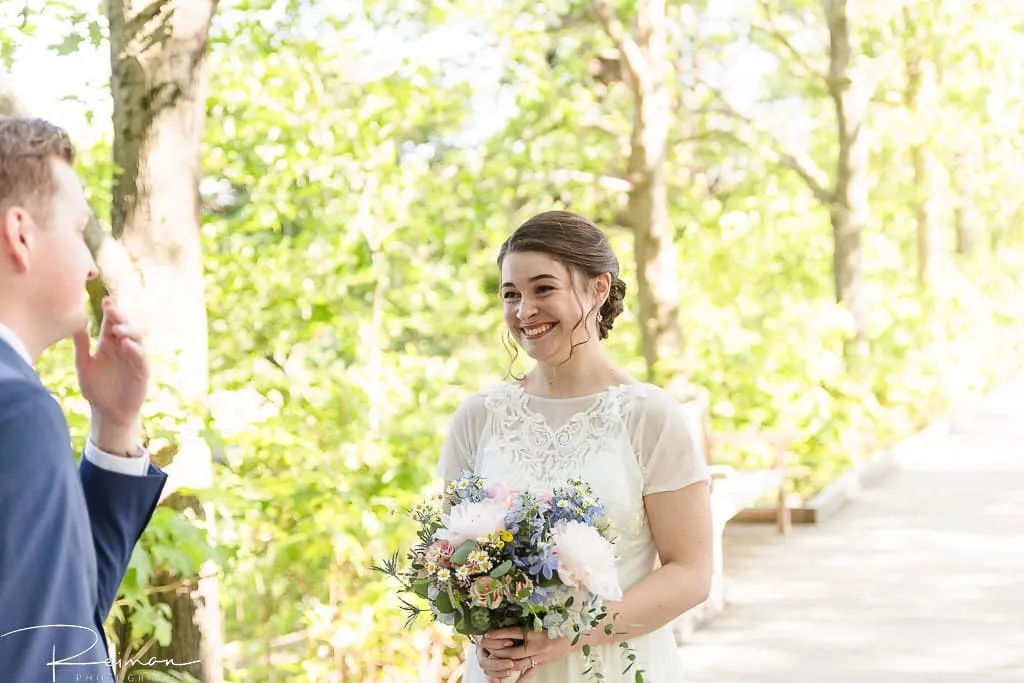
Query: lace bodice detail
[[546, 454]]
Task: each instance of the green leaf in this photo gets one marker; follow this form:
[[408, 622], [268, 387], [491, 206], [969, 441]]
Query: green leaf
[[462, 553], [69, 44], [444, 604], [501, 569]]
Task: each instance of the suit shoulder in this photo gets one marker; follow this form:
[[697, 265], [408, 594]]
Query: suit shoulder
[[18, 395], [30, 418]]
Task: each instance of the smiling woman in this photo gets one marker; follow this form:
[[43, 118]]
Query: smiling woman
[[560, 286], [577, 416]]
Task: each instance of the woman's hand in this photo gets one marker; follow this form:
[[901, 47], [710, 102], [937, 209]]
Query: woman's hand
[[495, 668], [527, 657]]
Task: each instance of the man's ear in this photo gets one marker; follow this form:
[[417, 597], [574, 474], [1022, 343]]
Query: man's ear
[[15, 238]]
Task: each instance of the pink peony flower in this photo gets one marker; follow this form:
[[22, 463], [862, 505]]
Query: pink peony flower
[[439, 552], [585, 559], [519, 587], [502, 492], [498, 490], [469, 521], [486, 592]]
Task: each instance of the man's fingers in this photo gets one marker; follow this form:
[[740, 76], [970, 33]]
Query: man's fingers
[[112, 316], [134, 357], [135, 348], [126, 331], [83, 350]]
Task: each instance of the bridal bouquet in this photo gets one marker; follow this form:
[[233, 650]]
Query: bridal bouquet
[[499, 557]]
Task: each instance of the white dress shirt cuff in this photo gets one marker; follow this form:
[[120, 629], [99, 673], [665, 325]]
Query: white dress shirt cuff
[[136, 467]]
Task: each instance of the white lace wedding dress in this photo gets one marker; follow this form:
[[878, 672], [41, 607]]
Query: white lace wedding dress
[[627, 441]]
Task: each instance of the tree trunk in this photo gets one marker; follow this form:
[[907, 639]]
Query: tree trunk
[[158, 50], [926, 214], [920, 101], [657, 277], [965, 217], [655, 252], [850, 199]]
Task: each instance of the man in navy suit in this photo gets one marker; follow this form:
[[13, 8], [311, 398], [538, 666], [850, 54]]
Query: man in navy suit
[[65, 535]]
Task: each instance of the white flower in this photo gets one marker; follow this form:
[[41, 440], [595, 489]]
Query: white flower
[[585, 559], [469, 521]]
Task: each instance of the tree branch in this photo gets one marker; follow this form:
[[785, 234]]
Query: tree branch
[[771, 30], [805, 168], [603, 126], [708, 135], [632, 56], [605, 182], [798, 162]]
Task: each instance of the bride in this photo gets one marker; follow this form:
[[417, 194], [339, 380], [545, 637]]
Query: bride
[[576, 415]]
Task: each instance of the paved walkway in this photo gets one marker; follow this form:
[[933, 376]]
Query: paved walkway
[[919, 581]]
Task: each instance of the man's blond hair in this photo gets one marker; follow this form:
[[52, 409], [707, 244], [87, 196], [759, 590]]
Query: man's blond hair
[[27, 146]]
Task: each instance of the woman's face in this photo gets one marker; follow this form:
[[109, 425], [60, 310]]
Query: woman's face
[[544, 302]]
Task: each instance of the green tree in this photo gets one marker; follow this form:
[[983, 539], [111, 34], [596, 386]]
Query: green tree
[[158, 54]]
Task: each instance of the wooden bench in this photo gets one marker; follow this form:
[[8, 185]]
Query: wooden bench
[[733, 491]]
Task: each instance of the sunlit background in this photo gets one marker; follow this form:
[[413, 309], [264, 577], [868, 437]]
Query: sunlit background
[[361, 163]]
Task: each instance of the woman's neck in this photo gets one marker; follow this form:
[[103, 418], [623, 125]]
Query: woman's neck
[[588, 371]]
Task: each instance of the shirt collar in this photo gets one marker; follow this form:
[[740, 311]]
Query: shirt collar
[[7, 335]]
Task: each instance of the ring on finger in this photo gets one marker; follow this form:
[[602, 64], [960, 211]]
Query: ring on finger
[[533, 663]]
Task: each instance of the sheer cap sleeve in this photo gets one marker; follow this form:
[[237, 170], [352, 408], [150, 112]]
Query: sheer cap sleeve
[[666, 443], [458, 453]]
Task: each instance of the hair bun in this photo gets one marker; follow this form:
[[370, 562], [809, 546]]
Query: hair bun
[[612, 306]]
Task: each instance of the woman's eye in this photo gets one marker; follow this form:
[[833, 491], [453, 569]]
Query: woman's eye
[[509, 295], [544, 289]]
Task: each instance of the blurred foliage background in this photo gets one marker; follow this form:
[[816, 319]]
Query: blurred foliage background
[[361, 163]]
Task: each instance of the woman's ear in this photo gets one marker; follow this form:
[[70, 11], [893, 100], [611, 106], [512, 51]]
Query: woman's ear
[[602, 288]]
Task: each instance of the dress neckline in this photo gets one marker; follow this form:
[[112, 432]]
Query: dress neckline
[[564, 399]]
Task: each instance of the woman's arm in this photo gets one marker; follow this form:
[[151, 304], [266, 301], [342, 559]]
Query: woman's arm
[[681, 526]]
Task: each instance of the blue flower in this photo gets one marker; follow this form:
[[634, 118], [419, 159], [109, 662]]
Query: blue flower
[[544, 564], [544, 597], [468, 487], [515, 517]]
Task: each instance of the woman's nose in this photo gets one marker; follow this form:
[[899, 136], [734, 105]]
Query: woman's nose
[[526, 309]]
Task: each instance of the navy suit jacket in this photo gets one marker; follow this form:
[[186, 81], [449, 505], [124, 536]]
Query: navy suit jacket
[[65, 537]]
